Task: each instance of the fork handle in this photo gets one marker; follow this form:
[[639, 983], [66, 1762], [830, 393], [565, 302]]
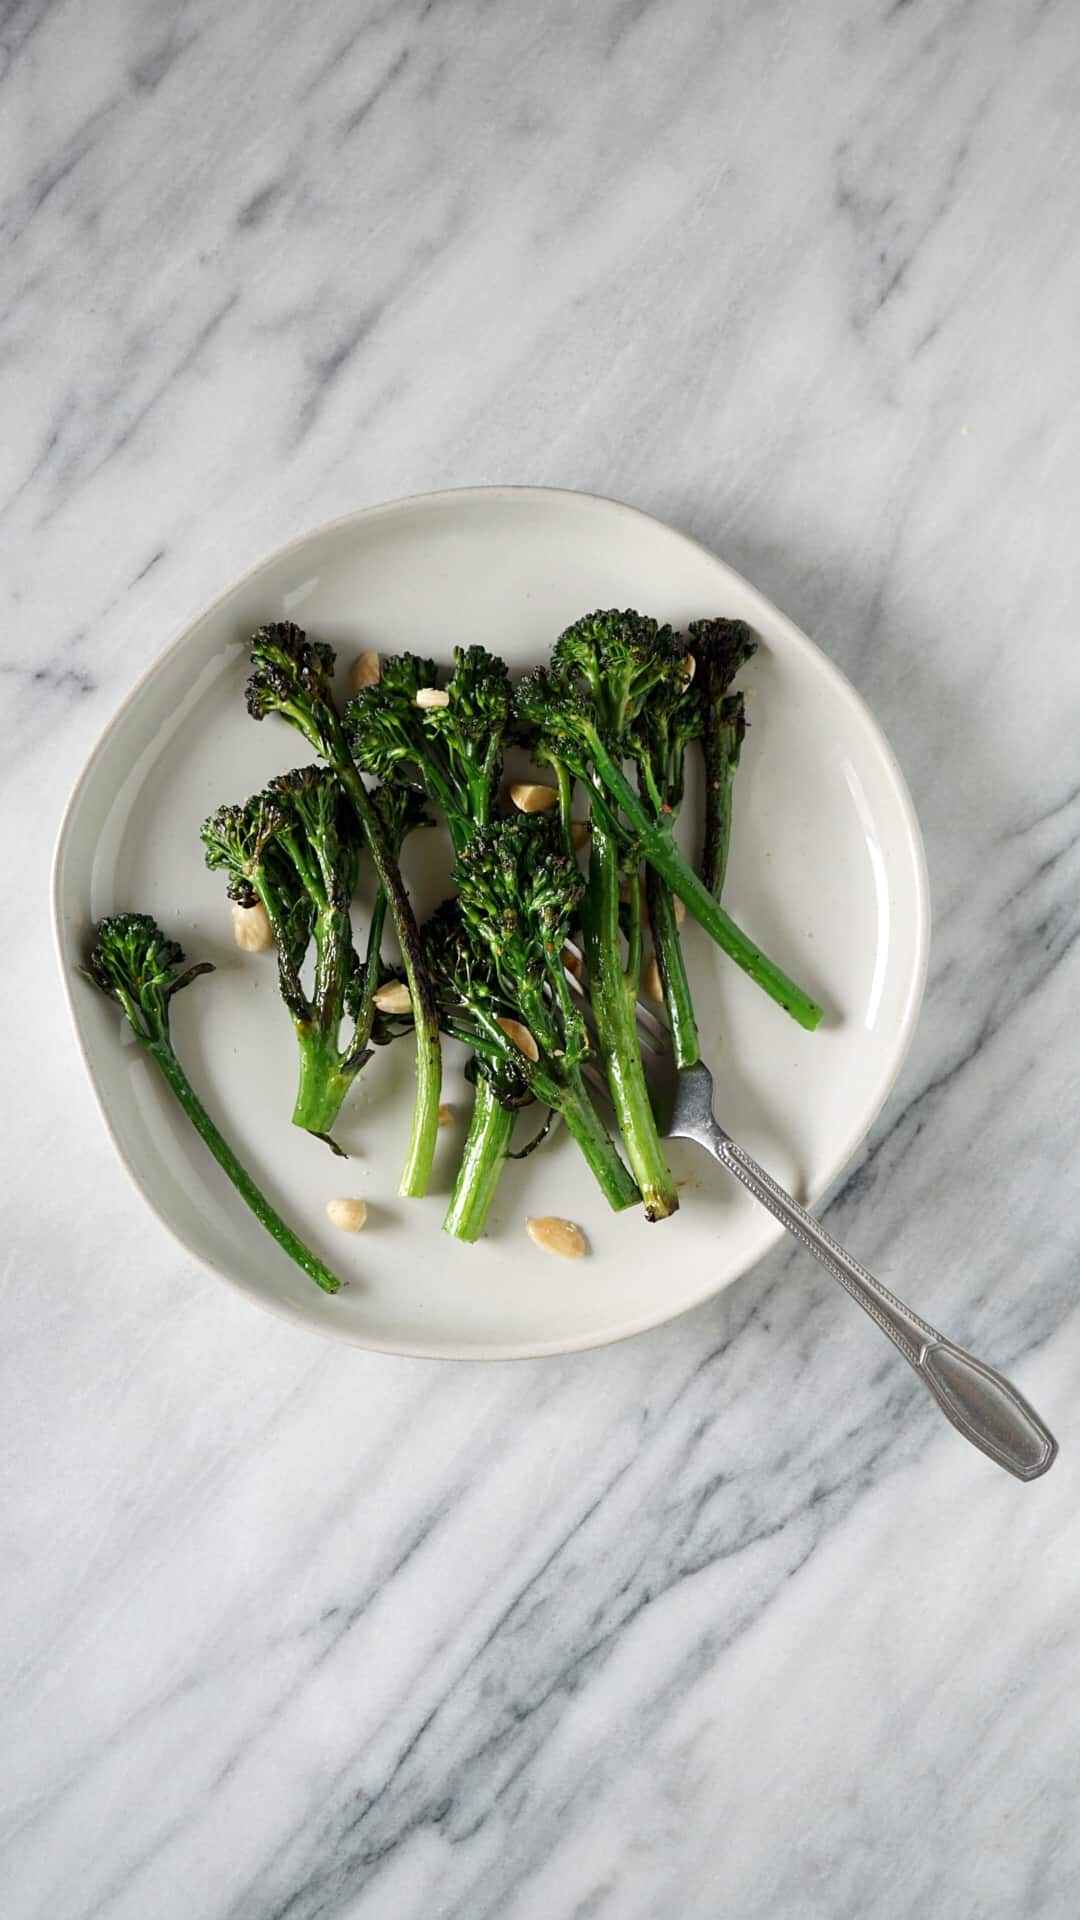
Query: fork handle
[[985, 1407]]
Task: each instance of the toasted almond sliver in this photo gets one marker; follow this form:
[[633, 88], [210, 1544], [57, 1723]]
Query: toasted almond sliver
[[520, 1037], [251, 928], [680, 911], [366, 670], [529, 797], [572, 962], [580, 831], [433, 697], [560, 1237], [446, 1113], [393, 997], [650, 979], [348, 1215]]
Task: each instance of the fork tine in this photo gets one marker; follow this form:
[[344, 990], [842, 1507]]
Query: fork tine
[[652, 1029]]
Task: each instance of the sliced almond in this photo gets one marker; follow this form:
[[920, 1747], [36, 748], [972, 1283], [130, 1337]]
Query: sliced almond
[[348, 1215], [529, 796], [580, 831], [650, 979], [520, 1037], [680, 911], [689, 666], [432, 697], [572, 962], [251, 928], [446, 1113], [393, 997], [366, 671], [560, 1237]]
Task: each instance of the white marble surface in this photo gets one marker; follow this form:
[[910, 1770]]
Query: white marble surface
[[724, 1621]]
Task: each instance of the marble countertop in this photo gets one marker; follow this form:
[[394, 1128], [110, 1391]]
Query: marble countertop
[[725, 1620]]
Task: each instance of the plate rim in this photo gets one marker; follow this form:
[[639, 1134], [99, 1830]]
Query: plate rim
[[472, 1351]]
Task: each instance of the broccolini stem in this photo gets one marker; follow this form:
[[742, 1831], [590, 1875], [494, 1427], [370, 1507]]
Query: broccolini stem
[[482, 1161], [425, 1127], [685, 1044], [333, 953], [616, 1184], [323, 1082], [614, 994], [564, 781], [720, 750], [372, 971], [162, 1052], [659, 849]]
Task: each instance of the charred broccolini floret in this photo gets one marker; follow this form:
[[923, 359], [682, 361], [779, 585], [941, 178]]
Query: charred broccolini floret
[[135, 964], [294, 849], [495, 955], [570, 731], [719, 648], [293, 677], [452, 749]]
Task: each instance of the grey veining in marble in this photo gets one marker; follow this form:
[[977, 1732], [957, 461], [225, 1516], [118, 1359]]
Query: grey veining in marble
[[724, 1621]]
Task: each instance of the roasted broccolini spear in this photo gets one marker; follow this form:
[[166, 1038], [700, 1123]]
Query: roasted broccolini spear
[[293, 677], [719, 648], [135, 964], [448, 741], [495, 956], [294, 849]]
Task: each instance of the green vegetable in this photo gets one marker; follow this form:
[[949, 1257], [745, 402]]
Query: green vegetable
[[619, 663], [656, 742], [699, 709], [453, 753], [135, 964], [572, 726], [293, 677], [495, 953], [719, 648], [294, 849]]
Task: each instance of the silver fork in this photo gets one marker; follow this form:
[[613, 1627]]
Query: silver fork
[[981, 1403]]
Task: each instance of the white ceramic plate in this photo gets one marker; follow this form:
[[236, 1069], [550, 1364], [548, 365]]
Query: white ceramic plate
[[826, 871]]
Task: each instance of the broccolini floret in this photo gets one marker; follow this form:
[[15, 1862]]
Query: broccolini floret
[[452, 749]]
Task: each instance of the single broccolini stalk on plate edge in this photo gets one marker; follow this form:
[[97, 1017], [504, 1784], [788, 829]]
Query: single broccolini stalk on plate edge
[[135, 964], [293, 677], [294, 849]]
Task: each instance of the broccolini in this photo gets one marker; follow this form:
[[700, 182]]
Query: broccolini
[[135, 964], [294, 849], [293, 677]]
